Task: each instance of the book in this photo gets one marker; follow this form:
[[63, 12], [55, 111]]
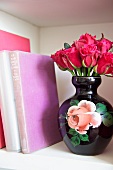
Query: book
[[2, 139], [36, 99], [8, 113], [9, 41]]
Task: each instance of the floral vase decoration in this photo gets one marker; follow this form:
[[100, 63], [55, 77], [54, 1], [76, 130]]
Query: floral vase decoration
[[86, 119]]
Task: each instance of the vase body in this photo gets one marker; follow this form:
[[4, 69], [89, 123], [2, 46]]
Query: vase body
[[86, 119]]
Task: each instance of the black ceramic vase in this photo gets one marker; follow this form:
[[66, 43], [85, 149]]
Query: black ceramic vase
[[86, 119]]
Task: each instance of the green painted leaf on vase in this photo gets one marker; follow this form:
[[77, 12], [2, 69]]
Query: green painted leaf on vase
[[107, 119], [101, 108], [84, 137], [74, 102], [75, 140], [73, 132]]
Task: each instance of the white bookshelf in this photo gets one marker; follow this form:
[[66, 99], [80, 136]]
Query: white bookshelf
[[56, 157]]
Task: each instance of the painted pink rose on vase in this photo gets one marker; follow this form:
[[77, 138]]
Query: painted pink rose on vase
[[83, 116]]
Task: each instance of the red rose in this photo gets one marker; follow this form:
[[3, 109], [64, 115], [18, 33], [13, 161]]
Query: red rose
[[61, 59], [89, 55], [105, 64], [74, 57], [110, 71], [86, 56], [104, 45], [68, 58], [85, 39]]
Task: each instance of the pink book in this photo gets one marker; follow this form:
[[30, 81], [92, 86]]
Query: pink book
[[2, 139], [9, 41], [36, 100]]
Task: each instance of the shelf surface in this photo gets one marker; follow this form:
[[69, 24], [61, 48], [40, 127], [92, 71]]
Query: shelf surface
[[56, 157]]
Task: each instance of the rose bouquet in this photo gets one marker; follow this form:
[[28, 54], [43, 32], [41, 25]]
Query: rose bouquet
[[86, 56]]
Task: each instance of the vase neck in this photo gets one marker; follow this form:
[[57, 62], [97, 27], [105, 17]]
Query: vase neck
[[86, 85]]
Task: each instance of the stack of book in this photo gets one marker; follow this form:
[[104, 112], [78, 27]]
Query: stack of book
[[29, 100], [9, 41]]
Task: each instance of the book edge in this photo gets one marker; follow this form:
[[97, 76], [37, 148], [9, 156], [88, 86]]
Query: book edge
[[11, 143], [19, 101]]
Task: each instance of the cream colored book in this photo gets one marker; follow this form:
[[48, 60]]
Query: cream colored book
[[9, 114]]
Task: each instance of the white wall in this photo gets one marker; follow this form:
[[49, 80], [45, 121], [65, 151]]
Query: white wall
[[52, 39], [17, 26], [47, 40]]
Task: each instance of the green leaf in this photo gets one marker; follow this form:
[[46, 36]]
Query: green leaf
[[84, 137], [73, 132], [74, 102], [79, 71], [89, 69], [75, 140], [107, 119], [66, 45], [72, 72], [101, 108]]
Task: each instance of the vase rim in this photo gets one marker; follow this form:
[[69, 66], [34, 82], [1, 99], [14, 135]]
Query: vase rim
[[87, 76]]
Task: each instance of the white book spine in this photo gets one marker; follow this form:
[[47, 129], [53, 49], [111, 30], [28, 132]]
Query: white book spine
[[17, 86], [9, 114]]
